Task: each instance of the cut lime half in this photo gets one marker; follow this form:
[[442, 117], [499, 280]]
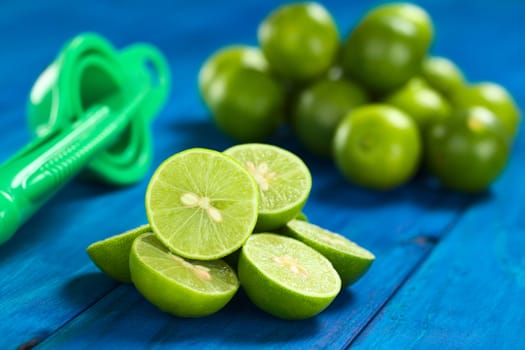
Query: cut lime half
[[349, 259], [285, 277], [111, 255], [284, 182], [202, 204], [182, 287]]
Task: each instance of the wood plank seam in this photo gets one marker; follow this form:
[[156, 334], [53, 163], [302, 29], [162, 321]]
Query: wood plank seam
[[350, 341], [37, 341], [433, 241]]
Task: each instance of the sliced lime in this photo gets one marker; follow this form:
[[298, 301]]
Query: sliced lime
[[349, 259], [285, 277], [202, 204], [283, 178], [182, 287], [111, 255], [302, 216]]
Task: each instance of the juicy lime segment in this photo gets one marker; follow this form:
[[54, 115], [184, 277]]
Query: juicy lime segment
[[111, 255], [285, 277], [202, 204], [350, 260], [283, 179], [182, 287]]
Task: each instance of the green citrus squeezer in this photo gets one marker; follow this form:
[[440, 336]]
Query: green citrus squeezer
[[90, 111]]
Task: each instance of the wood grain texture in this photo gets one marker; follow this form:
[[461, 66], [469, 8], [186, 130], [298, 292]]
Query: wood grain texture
[[468, 292]]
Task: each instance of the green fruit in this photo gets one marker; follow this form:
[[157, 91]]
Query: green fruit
[[182, 287], [442, 75], [405, 11], [284, 182], [349, 259], [202, 204], [302, 217], [299, 40], [494, 97], [318, 110], [246, 104], [226, 59], [377, 146], [388, 46], [422, 103], [285, 277], [111, 255], [467, 151]]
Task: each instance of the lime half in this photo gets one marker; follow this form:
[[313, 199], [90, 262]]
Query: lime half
[[302, 216], [111, 255], [283, 178], [202, 204], [285, 277], [182, 287], [349, 259]]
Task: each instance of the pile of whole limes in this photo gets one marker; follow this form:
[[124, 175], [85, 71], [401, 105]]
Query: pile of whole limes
[[377, 103]]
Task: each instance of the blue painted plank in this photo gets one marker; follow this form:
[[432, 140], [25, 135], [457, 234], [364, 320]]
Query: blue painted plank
[[470, 292]]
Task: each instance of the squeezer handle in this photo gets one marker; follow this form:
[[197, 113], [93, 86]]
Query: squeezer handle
[[40, 169]]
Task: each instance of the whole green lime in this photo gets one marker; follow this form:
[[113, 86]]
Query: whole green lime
[[230, 57], [299, 40], [388, 46], [319, 108], [245, 101], [246, 104], [494, 97], [377, 146], [467, 151], [422, 103], [442, 74]]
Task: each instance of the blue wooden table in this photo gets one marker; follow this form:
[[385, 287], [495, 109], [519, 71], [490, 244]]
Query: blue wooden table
[[450, 269]]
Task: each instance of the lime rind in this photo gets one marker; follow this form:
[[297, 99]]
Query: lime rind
[[302, 216], [285, 277], [183, 287], [228, 58], [202, 204], [283, 179], [349, 259], [111, 255]]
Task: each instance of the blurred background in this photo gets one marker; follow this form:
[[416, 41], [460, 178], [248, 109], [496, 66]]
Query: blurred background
[[479, 35], [482, 38]]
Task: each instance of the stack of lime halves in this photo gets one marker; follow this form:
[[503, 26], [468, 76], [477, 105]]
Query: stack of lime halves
[[244, 205], [377, 102]]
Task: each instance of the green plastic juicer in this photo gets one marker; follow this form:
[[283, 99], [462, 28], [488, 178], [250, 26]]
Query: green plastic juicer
[[90, 110]]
